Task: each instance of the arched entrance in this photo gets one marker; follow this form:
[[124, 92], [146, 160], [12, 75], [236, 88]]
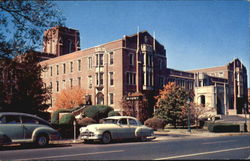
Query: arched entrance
[[99, 98]]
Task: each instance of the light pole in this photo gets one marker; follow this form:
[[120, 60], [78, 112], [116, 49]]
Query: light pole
[[188, 108], [245, 124], [74, 124]]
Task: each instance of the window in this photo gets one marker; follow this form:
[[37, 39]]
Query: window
[[57, 86], [71, 67], [51, 85], [97, 79], [90, 62], [132, 122], [29, 120], [71, 82], [11, 119], [64, 68], [63, 84], [123, 121], [51, 71], [97, 60], [79, 81], [131, 78], [111, 58], [57, 69], [111, 78], [101, 78], [90, 82], [131, 59], [101, 59], [79, 65], [111, 98]]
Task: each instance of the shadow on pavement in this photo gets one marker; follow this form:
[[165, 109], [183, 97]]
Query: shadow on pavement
[[171, 135], [30, 146]]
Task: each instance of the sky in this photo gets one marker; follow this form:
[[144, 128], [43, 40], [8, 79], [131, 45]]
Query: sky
[[196, 34]]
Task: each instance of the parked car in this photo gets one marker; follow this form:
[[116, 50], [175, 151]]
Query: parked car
[[25, 128], [116, 127]]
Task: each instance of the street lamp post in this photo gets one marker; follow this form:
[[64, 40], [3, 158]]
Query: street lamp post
[[188, 107], [245, 124], [74, 124]]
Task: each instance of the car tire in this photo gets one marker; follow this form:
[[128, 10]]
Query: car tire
[[42, 140], [106, 138]]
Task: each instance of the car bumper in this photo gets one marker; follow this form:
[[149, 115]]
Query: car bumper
[[94, 137]]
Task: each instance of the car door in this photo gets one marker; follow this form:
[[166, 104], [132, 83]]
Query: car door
[[133, 125], [11, 127], [29, 125], [124, 130]]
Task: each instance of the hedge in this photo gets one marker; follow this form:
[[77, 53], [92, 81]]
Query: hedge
[[97, 112], [113, 113], [67, 119], [155, 123], [55, 115], [220, 127]]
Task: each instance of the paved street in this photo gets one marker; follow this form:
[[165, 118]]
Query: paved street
[[223, 147]]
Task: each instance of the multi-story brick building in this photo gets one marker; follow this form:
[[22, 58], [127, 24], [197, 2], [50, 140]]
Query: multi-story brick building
[[110, 71], [230, 82], [135, 63]]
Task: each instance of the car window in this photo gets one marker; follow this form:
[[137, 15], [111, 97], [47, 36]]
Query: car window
[[2, 120], [132, 122], [12, 119], [110, 121], [123, 121], [29, 120]]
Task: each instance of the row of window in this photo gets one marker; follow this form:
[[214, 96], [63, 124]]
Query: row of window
[[148, 60], [183, 83], [99, 81], [99, 62]]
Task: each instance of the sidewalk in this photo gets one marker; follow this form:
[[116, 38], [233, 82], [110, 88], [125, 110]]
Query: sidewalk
[[195, 133], [169, 134]]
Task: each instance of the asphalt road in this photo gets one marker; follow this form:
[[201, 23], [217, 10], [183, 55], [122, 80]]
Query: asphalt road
[[224, 147]]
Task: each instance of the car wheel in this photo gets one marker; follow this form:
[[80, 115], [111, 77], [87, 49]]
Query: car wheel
[[106, 138], [42, 140]]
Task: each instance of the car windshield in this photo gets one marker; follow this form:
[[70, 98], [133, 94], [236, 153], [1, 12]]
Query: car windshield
[[110, 121]]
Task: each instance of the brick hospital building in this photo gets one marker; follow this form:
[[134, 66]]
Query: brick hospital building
[[135, 63]]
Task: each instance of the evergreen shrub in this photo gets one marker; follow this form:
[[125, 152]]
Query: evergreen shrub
[[97, 112], [113, 113], [155, 123]]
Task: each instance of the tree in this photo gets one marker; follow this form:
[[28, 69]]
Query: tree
[[170, 102], [136, 108], [22, 24], [21, 86], [70, 98]]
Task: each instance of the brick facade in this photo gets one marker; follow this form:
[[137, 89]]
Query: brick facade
[[135, 63]]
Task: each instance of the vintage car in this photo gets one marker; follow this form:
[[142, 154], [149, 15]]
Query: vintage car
[[25, 128], [116, 127]]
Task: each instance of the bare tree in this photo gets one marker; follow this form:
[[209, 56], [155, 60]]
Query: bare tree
[[22, 24]]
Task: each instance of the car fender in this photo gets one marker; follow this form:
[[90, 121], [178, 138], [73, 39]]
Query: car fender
[[42, 130], [142, 131], [4, 139]]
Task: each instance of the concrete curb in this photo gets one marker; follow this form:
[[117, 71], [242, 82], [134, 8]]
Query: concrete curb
[[167, 135]]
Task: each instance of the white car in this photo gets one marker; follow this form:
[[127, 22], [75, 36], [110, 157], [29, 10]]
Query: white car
[[116, 127]]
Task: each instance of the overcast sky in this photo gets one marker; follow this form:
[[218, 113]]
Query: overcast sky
[[196, 34]]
